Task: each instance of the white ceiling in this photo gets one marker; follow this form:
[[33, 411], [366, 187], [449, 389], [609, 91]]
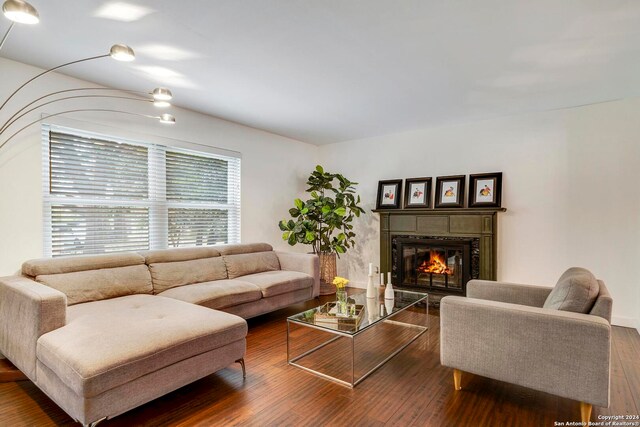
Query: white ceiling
[[324, 71]]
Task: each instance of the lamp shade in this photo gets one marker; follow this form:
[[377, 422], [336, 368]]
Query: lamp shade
[[122, 52], [161, 104], [167, 119], [162, 94], [21, 12]]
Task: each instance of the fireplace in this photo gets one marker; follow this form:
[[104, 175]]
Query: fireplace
[[438, 250], [436, 264]]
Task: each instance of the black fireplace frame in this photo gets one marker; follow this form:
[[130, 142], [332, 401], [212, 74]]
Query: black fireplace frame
[[471, 259]]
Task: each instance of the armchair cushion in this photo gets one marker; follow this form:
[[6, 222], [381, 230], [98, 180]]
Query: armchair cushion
[[576, 291]]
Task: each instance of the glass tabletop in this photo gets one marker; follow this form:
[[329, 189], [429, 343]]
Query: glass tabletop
[[368, 311]]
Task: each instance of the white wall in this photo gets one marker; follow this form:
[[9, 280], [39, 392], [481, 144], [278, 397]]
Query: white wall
[[571, 187], [274, 168], [570, 181]]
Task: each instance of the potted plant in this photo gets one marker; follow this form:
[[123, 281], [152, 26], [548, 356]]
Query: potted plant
[[324, 221]]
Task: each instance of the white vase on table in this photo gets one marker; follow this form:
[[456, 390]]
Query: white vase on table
[[388, 291]]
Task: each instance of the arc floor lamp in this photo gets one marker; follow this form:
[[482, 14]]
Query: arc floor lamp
[[21, 12]]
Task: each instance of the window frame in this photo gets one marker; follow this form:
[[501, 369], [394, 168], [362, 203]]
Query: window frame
[[157, 204]]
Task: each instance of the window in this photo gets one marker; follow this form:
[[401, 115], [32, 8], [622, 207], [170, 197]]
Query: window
[[106, 195]]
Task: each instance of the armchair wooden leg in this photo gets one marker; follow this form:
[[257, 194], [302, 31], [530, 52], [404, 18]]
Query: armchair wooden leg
[[585, 412], [457, 377]]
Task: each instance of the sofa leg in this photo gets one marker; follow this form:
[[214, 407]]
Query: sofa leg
[[585, 412], [457, 377], [95, 423], [244, 370]]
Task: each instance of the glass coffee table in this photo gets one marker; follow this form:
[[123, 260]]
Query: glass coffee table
[[347, 350]]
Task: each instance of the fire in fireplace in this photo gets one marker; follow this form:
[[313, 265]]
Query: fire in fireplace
[[437, 264]]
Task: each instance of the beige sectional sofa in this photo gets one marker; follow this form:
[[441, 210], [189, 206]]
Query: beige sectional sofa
[[103, 334]]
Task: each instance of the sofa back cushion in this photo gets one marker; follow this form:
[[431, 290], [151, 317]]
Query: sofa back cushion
[[244, 248], [69, 264], [576, 291], [167, 275], [179, 254], [184, 266], [251, 263], [94, 285]]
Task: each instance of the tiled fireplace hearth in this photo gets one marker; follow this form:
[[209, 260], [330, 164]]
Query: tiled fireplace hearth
[[438, 250]]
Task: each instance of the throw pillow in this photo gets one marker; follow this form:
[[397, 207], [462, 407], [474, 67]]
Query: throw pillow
[[576, 291]]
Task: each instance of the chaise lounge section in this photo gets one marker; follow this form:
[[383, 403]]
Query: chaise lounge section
[[103, 334]]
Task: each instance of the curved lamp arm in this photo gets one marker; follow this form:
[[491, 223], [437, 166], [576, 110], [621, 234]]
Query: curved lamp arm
[[66, 91], [48, 71], [119, 52], [6, 35], [165, 118], [17, 117]]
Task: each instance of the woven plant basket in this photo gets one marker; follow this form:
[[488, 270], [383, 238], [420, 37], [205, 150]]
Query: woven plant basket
[[328, 272]]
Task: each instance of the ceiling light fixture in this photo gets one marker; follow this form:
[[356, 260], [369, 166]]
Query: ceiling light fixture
[[122, 52], [18, 11], [161, 104], [162, 94], [21, 12], [167, 119]]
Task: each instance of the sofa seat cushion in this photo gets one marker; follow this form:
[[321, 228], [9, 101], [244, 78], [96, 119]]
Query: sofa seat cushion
[[279, 282], [109, 343], [576, 291], [218, 294]]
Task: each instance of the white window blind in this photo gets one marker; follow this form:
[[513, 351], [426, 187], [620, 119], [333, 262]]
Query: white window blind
[[106, 195], [202, 198]]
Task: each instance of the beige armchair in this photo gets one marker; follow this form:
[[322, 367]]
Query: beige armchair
[[501, 331]]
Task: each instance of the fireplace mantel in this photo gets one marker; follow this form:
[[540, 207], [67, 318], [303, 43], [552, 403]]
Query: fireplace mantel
[[481, 223], [426, 211]]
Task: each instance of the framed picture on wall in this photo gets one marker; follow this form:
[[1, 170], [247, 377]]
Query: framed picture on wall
[[417, 193], [450, 191], [485, 190], [389, 194]]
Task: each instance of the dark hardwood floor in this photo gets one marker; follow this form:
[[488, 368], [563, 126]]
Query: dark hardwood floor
[[411, 389]]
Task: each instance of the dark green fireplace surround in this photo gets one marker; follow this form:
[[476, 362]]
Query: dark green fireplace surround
[[481, 224]]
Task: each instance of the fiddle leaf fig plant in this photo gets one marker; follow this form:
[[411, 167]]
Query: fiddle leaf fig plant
[[324, 221]]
